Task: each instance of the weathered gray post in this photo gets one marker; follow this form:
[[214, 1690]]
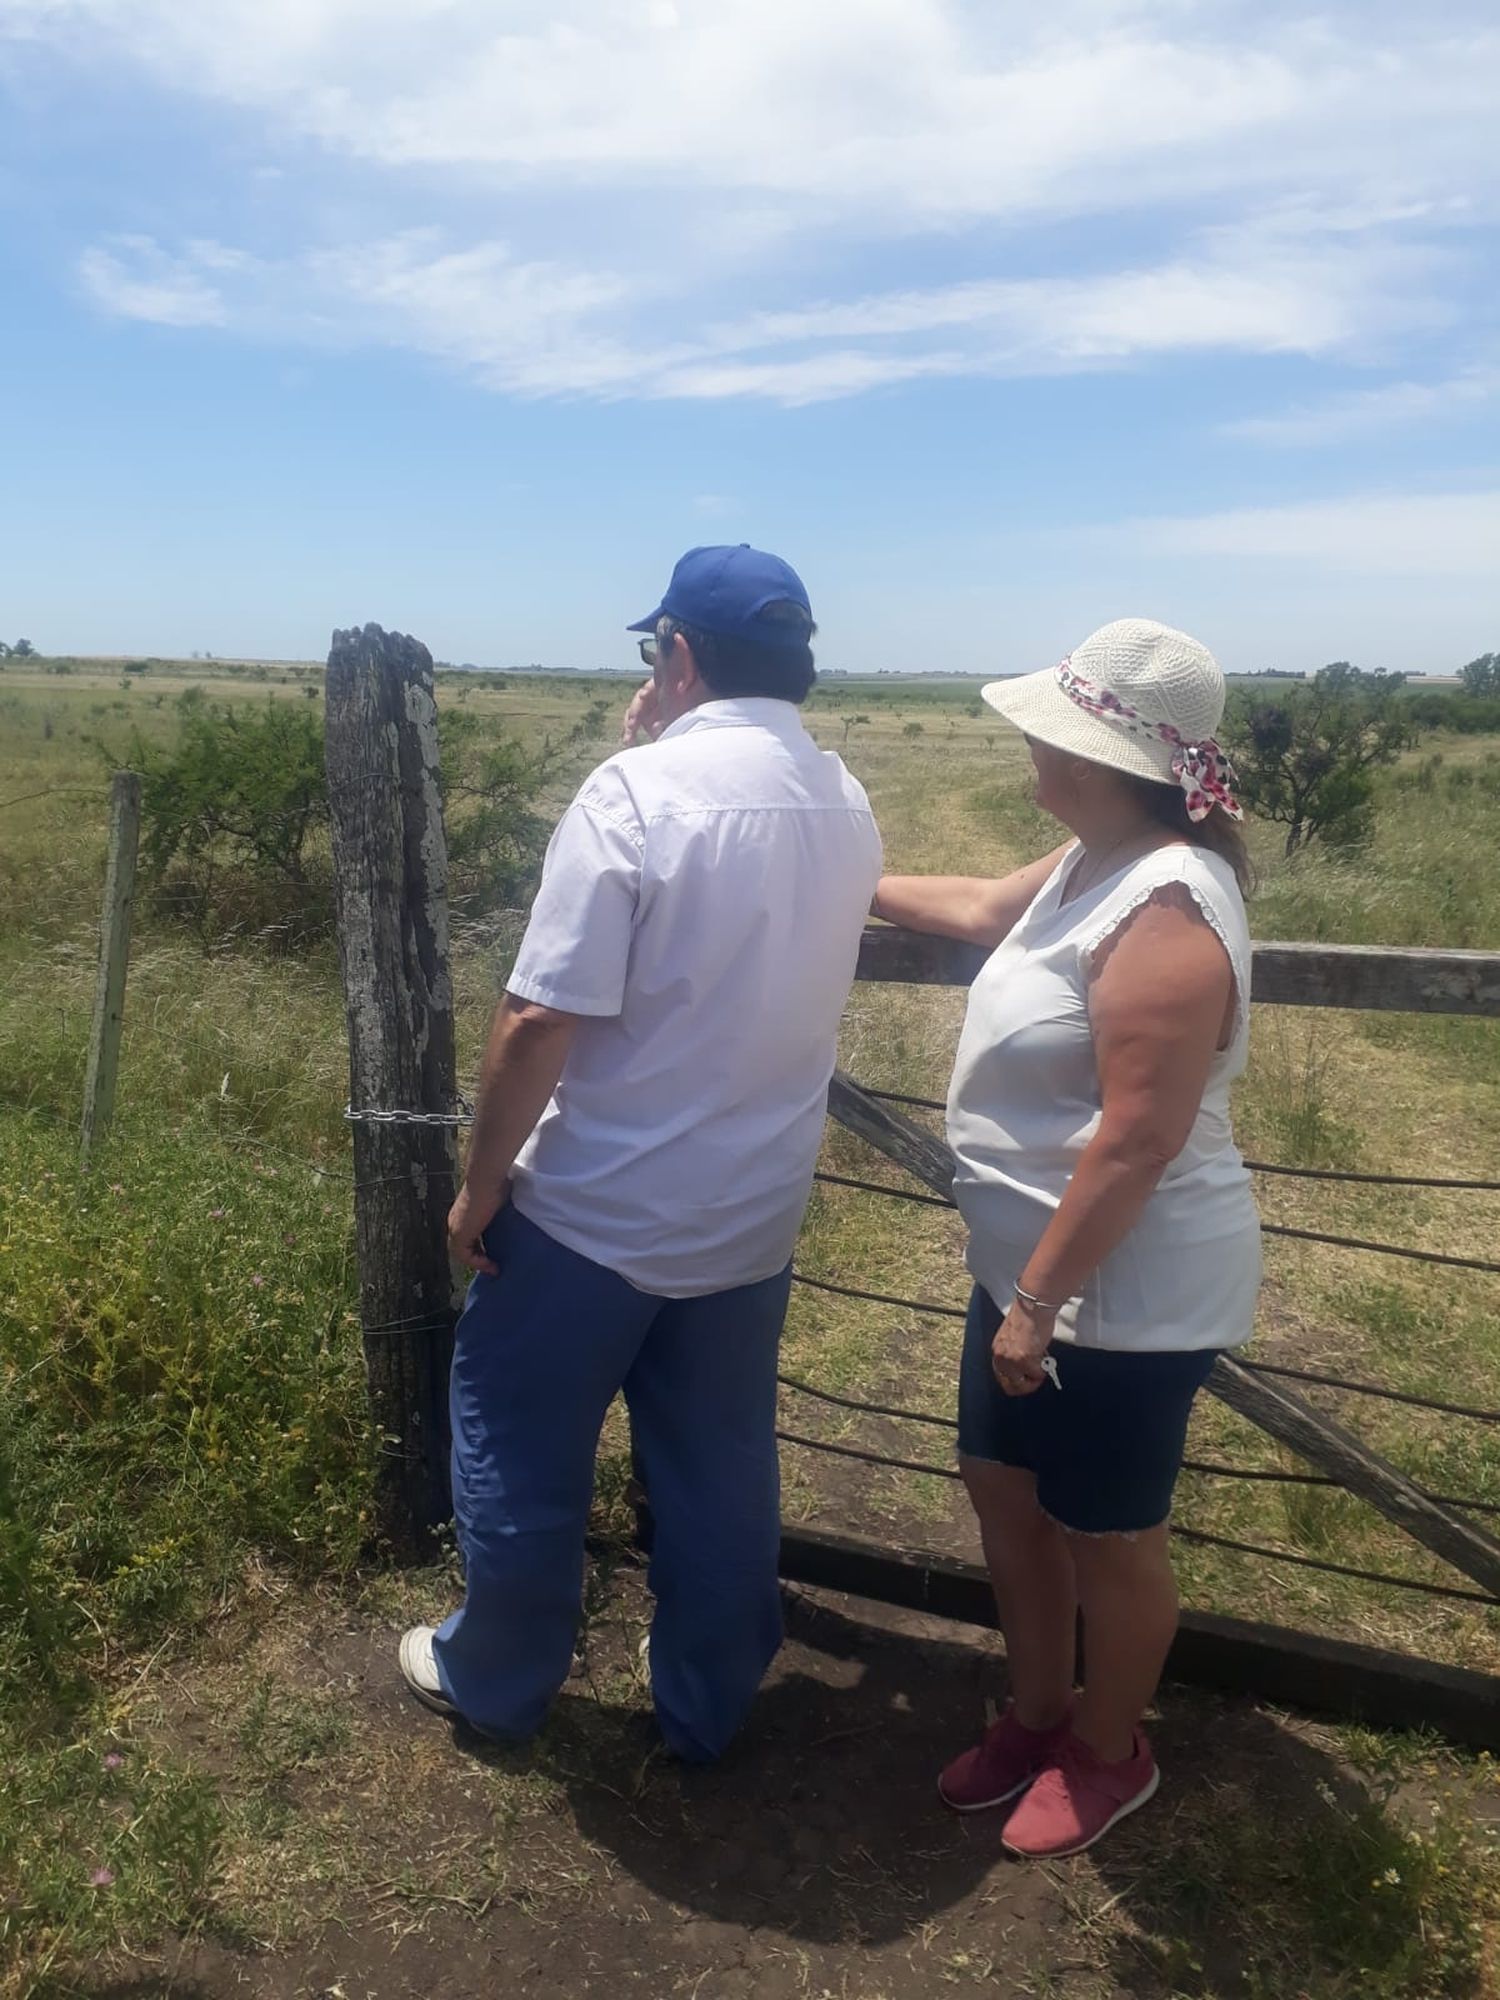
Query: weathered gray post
[[390, 858], [114, 957]]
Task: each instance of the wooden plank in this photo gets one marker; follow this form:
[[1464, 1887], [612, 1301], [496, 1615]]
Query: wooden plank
[[1288, 1417], [1323, 1443], [1302, 1670], [1288, 975], [390, 882], [1375, 977], [114, 959], [910, 958], [891, 1132]]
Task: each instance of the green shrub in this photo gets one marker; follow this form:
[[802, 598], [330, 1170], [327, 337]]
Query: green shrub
[[1306, 756], [181, 1382]]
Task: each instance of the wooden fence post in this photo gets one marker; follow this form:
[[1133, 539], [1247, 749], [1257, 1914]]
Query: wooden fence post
[[114, 957], [390, 859]]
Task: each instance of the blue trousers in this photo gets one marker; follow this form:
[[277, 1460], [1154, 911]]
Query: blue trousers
[[540, 1353]]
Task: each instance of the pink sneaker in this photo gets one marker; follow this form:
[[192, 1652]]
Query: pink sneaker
[[1002, 1764], [1078, 1798]]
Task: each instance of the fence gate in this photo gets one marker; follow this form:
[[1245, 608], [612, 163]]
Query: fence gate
[[1303, 1669]]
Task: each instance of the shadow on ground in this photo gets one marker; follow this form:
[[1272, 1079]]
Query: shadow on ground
[[814, 1863], [823, 1826]]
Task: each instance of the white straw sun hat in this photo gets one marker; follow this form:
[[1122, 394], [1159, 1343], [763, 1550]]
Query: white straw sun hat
[[1136, 696]]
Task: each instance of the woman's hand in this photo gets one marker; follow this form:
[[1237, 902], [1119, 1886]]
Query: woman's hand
[[1021, 1339]]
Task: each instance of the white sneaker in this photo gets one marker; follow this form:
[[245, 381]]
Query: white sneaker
[[419, 1669]]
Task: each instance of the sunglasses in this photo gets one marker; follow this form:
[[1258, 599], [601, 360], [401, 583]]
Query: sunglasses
[[654, 650]]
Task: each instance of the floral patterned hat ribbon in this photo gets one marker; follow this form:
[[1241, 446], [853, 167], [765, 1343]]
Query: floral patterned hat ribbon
[[1203, 771]]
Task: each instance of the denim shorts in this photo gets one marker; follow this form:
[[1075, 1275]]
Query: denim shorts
[[1106, 1446]]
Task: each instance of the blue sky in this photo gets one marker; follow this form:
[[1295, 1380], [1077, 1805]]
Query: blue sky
[[998, 319]]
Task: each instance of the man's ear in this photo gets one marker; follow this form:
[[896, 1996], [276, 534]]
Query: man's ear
[[684, 666]]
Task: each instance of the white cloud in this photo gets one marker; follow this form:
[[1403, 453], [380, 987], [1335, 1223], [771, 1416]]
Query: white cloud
[[539, 327], [1278, 286], [1424, 534], [886, 110], [135, 279], [1362, 412], [621, 178]]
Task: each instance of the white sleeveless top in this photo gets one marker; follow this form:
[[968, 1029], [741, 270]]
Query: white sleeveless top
[[1024, 1102]]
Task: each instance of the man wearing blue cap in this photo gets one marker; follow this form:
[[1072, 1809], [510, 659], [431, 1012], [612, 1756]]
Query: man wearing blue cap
[[650, 1110]]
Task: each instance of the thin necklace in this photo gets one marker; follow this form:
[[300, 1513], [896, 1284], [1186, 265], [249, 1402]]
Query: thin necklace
[[1091, 871]]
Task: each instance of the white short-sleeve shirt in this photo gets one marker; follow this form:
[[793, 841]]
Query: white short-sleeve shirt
[[1025, 1102], [701, 905]]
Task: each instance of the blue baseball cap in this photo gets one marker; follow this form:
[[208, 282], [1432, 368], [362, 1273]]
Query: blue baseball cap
[[725, 590]]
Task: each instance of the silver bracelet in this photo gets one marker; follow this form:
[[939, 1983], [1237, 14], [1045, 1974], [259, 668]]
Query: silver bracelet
[[1031, 1299]]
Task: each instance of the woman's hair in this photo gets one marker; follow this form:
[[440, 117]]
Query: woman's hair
[[1167, 805]]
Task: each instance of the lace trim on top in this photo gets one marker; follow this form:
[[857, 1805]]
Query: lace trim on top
[[1107, 927]]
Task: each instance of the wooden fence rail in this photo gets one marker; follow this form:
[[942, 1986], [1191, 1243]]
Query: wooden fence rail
[[1368, 977]]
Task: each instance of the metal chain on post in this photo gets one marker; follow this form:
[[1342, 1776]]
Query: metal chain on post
[[464, 1115]]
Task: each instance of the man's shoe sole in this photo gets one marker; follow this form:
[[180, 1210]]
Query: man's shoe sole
[[438, 1703], [1143, 1797]]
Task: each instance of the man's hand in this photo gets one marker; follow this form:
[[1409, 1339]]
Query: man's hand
[[643, 717], [468, 1219], [1021, 1339]]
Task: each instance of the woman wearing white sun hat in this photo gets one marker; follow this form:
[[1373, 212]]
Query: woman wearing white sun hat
[[1114, 1241]]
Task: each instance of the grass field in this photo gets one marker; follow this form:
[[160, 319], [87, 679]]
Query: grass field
[[183, 1451]]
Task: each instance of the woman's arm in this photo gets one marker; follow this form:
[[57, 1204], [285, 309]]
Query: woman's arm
[[1157, 1009], [977, 908]]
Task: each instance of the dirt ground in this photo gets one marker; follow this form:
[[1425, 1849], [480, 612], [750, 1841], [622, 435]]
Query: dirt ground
[[815, 1861]]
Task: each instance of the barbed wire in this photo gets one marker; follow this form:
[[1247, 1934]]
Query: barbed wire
[[1381, 1249], [1356, 1388], [1199, 1535], [869, 1457], [1256, 1367], [867, 1409], [56, 792], [881, 1187], [1207, 1468], [1335, 1569], [1267, 1229], [878, 1298], [1260, 1166]]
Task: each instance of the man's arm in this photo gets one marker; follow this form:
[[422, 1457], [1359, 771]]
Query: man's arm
[[523, 1060]]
